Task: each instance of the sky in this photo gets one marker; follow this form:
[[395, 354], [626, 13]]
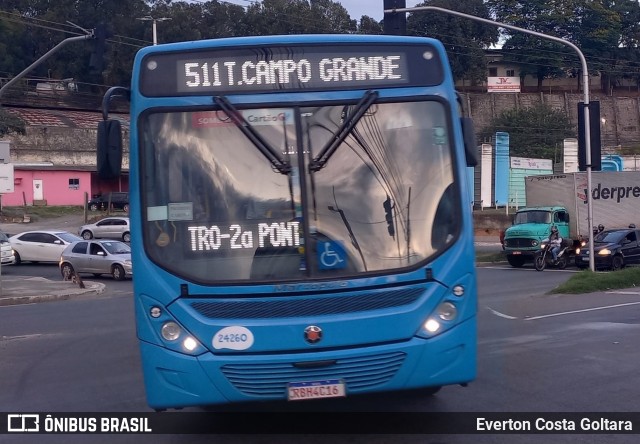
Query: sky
[[372, 8], [355, 8]]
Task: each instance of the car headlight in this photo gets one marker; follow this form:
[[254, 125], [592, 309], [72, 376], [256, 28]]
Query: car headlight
[[604, 252], [534, 243]]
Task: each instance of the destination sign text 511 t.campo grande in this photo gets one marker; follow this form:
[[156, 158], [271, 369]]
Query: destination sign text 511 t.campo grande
[[290, 68]]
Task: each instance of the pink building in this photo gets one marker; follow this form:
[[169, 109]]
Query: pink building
[[58, 185], [54, 162]]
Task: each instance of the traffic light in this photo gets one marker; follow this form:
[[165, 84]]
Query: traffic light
[[395, 23], [594, 137], [109, 149], [100, 35], [388, 215]]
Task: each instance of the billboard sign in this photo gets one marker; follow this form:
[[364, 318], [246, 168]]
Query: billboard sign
[[503, 84]]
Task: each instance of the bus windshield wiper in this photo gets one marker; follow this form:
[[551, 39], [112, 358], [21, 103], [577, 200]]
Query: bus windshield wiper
[[251, 134], [341, 134]]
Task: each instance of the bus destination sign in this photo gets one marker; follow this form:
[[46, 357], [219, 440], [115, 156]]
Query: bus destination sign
[[290, 68]]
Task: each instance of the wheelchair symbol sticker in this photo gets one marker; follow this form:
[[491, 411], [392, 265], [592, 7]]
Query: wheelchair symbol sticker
[[331, 256]]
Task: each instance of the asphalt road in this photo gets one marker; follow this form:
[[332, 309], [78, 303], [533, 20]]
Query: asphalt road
[[537, 353]]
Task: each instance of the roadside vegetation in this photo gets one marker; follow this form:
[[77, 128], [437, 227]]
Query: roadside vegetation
[[587, 281], [490, 257], [40, 212]]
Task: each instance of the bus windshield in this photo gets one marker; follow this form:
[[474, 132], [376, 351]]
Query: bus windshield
[[217, 210]]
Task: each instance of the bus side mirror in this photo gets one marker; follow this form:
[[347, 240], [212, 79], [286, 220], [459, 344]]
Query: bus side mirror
[[109, 149], [469, 137]]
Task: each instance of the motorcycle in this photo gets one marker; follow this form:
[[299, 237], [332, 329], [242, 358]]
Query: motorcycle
[[544, 257]]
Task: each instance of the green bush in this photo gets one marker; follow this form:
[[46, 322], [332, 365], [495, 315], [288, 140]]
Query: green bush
[[587, 281]]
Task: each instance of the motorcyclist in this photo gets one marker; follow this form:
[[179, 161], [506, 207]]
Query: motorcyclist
[[556, 243]]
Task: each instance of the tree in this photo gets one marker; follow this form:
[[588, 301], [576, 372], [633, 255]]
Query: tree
[[630, 31], [333, 15], [533, 132], [464, 39], [12, 44], [369, 25], [281, 17], [10, 123], [534, 55], [606, 31]]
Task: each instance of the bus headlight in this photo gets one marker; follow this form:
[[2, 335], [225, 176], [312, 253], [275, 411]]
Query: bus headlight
[[189, 343], [440, 320], [447, 311], [171, 331], [432, 326], [165, 331]]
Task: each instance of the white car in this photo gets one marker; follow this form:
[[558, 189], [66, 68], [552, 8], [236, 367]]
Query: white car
[[6, 251], [109, 227], [41, 246]]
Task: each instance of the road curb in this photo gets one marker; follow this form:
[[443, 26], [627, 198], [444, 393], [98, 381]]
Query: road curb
[[49, 295]]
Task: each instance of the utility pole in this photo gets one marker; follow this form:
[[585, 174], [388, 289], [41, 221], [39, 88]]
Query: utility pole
[[148, 18], [585, 89], [90, 35]]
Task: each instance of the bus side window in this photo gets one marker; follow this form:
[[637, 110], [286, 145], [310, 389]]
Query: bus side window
[[444, 223]]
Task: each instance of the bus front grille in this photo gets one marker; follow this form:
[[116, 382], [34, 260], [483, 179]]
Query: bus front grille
[[271, 308], [271, 379]]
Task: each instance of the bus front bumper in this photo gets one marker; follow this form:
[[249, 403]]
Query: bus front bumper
[[174, 380]]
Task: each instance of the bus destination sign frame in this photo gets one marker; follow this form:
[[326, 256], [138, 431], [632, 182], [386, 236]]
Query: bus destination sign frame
[[289, 68]]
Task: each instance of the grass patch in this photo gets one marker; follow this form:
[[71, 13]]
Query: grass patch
[[41, 212], [587, 281], [490, 257]]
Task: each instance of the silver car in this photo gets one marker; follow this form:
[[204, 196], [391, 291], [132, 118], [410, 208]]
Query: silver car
[[109, 227], [97, 257]]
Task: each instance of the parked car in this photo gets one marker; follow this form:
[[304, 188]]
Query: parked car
[[613, 249], [119, 201], [109, 227], [6, 252], [41, 246], [97, 257]]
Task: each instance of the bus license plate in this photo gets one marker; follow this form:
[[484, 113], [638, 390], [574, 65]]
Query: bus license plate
[[330, 388]]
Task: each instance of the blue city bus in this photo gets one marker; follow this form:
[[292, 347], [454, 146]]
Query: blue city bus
[[300, 221]]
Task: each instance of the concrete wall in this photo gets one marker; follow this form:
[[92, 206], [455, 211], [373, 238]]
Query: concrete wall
[[62, 146], [75, 144], [621, 126]]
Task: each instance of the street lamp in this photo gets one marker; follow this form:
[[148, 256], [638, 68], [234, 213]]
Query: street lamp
[[148, 18]]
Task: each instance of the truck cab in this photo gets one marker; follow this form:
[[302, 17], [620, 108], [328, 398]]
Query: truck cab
[[531, 225]]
